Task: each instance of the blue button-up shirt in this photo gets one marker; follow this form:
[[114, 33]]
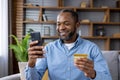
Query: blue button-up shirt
[[60, 62]]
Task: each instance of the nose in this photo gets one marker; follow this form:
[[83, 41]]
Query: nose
[[62, 27]]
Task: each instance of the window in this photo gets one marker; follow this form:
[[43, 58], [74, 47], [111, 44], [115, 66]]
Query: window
[[4, 37]]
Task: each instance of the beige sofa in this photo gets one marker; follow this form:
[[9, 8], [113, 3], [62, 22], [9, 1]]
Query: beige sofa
[[112, 58]]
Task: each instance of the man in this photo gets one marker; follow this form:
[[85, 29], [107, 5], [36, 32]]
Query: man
[[58, 57]]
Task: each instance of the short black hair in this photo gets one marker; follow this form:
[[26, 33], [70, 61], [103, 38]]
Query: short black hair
[[73, 13]]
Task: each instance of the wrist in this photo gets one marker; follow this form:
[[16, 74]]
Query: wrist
[[31, 63], [93, 75]]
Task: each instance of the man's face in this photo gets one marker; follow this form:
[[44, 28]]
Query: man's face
[[66, 26]]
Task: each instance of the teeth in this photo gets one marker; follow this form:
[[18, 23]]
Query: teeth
[[62, 33]]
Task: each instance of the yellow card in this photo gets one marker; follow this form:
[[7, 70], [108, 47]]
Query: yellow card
[[80, 56]]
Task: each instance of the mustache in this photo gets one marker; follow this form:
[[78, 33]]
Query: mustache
[[69, 36]]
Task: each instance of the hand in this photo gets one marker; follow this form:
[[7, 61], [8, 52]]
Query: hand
[[34, 52], [87, 66]]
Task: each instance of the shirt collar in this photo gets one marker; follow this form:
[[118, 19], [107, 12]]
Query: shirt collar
[[77, 42]]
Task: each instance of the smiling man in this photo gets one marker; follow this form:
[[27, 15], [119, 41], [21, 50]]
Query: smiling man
[[66, 26], [58, 56]]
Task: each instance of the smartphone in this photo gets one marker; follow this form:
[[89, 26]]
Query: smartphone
[[36, 36]]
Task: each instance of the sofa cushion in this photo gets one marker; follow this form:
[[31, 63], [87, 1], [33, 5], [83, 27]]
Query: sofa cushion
[[11, 77], [112, 60]]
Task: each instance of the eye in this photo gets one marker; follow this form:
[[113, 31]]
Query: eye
[[66, 23], [58, 24]]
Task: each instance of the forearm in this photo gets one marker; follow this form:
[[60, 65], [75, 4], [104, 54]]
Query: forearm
[[102, 76], [32, 74]]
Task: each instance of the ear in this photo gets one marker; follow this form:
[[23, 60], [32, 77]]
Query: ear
[[77, 24]]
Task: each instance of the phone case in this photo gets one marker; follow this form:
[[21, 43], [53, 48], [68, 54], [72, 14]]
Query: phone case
[[36, 36]]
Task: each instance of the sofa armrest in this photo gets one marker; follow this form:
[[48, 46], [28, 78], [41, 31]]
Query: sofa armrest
[[113, 63], [11, 77], [119, 66]]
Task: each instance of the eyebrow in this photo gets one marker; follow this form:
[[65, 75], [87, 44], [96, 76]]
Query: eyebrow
[[63, 21]]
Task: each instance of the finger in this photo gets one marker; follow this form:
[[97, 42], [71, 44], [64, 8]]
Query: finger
[[85, 61], [35, 52], [33, 43], [33, 48], [80, 61], [88, 61], [37, 48], [84, 65], [35, 56], [81, 67]]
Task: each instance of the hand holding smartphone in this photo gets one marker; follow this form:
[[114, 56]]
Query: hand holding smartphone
[[35, 50], [35, 36]]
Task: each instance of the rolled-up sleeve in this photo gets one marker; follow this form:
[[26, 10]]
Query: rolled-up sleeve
[[100, 65], [37, 72]]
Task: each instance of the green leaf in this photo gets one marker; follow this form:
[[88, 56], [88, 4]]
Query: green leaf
[[20, 48]]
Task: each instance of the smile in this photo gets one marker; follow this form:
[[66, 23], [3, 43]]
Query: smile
[[63, 33]]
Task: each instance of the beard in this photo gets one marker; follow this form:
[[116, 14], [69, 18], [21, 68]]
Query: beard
[[69, 36]]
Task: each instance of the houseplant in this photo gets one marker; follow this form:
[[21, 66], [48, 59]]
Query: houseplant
[[21, 54], [20, 48]]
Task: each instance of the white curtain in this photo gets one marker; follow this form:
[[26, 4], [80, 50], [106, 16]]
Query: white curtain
[[3, 38]]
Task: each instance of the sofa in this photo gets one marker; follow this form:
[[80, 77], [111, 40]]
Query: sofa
[[11, 77], [112, 58]]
